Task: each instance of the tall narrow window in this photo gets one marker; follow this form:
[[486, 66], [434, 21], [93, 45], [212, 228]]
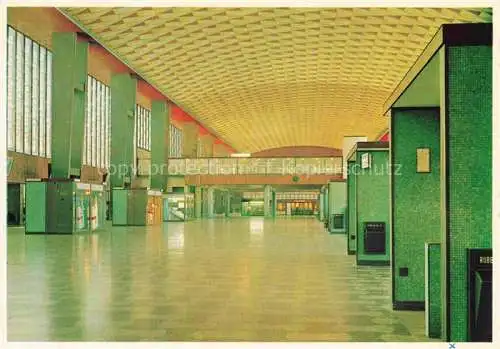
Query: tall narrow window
[[93, 123], [11, 89], [35, 98], [48, 111], [86, 148], [175, 142], [19, 93], [27, 101], [97, 123], [142, 128], [44, 114], [102, 133], [97, 128], [108, 126], [27, 95]]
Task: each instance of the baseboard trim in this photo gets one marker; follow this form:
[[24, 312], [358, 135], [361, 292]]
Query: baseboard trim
[[351, 253], [408, 305], [374, 263]]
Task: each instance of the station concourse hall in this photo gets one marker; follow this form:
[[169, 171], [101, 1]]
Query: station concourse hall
[[248, 174]]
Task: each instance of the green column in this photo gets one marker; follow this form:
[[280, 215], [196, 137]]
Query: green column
[[227, 203], [268, 198], [198, 202], [210, 202], [274, 204], [69, 77], [159, 144], [466, 178], [123, 93]]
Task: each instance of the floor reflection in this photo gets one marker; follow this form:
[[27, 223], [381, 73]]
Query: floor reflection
[[245, 279]]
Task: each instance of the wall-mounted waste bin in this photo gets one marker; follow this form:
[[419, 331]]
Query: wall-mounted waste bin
[[480, 300]]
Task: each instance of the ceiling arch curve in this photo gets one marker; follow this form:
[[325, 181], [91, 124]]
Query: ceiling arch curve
[[273, 77]]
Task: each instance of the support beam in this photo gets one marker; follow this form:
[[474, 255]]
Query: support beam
[[69, 77]]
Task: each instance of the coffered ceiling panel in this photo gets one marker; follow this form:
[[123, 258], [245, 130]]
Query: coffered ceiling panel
[[272, 77]]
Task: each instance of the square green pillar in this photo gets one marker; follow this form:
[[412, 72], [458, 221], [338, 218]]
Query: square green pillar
[[159, 144], [69, 77], [123, 96], [466, 155]]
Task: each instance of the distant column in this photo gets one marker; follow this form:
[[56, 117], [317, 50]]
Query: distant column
[[268, 197]]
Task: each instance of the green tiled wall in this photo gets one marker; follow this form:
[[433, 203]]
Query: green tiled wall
[[468, 128], [416, 198], [351, 207], [433, 289], [337, 203], [372, 190]]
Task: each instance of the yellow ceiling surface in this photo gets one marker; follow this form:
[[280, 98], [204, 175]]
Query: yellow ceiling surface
[[273, 77]]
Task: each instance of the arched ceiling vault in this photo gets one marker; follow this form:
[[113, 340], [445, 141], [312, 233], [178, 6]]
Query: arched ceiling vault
[[273, 77]]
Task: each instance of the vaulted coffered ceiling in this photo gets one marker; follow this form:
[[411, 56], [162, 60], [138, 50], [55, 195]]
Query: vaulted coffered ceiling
[[273, 77]]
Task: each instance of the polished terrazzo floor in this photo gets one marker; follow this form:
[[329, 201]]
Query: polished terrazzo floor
[[244, 279]]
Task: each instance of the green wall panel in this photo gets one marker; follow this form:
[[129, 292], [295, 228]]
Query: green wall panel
[[159, 144], [468, 128], [35, 207], [123, 94], [372, 191], [120, 206], [416, 198], [351, 208]]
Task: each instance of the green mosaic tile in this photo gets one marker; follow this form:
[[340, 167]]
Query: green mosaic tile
[[469, 137], [416, 198]]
